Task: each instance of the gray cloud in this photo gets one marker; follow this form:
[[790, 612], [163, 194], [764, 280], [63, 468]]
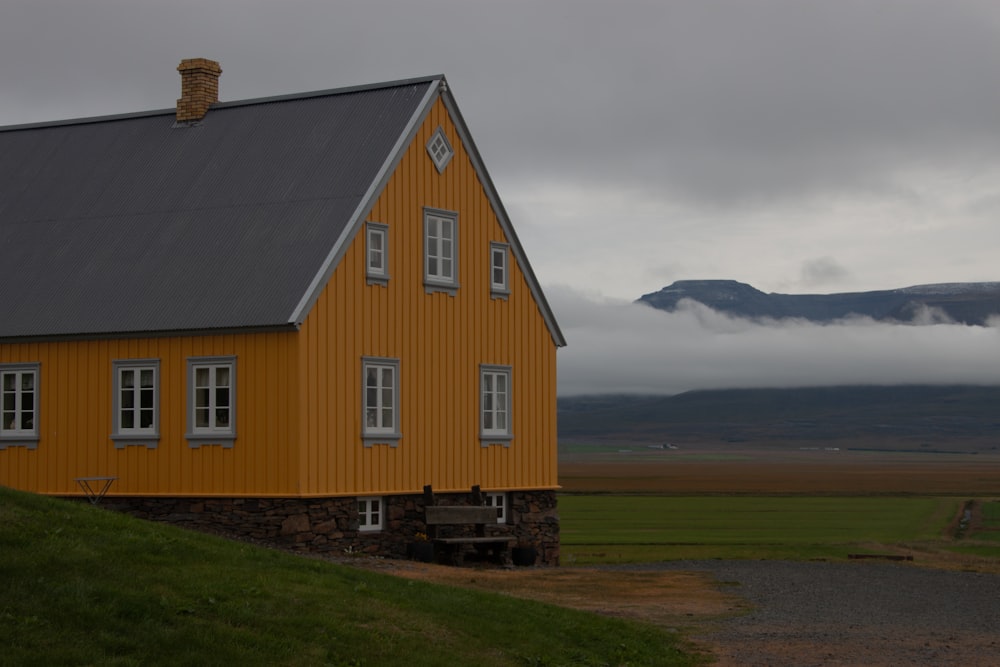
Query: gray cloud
[[631, 348]]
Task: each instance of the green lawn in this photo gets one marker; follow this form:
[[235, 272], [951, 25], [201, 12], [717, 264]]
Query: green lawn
[[608, 528], [83, 586]]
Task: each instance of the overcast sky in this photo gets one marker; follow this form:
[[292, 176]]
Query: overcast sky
[[799, 146]]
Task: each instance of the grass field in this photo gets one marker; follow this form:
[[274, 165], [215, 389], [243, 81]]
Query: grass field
[[611, 528], [82, 586]]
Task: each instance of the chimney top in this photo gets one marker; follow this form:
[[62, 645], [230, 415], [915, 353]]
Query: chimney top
[[199, 88]]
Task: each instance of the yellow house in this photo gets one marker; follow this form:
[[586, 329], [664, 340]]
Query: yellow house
[[279, 318]]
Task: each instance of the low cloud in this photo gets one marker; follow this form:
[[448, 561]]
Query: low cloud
[[623, 347]]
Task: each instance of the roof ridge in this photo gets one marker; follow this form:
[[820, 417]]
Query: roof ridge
[[328, 92]]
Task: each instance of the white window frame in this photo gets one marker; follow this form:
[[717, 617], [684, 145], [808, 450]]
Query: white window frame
[[493, 403], [383, 431], [499, 500], [439, 149], [499, 263], [371, 511], [12, 405], [214, 433], [440, 251], [377, 247], [135, 435]]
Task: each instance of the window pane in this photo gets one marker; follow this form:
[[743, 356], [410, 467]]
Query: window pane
[[222, 377], [128, 419], [222, 397], [222, 417], [387, 377], [201, 397], [27, 381], [128, 379], [9, 381], [27, 402], [201, 417], [146, 419], [128, 400], [146, 378], [201, 377], [146, 399]]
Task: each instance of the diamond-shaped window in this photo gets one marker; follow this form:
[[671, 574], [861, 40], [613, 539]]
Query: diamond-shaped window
[[440, 149]]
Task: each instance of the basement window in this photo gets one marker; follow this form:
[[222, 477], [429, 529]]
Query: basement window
[[440, 150], [499, 501], [369, 514]]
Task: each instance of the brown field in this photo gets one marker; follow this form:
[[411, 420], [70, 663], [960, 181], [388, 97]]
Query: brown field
[[756, 472]]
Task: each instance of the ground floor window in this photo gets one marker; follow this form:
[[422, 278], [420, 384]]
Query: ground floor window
[[19, 403]]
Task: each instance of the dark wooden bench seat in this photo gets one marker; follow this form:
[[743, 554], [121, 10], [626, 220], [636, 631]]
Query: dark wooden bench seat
[[493, 547]]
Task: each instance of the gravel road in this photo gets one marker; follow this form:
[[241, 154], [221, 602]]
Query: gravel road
[[853, 613]]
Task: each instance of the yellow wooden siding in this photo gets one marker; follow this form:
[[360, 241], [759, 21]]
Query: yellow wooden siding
[[440, 341], [75, 419]]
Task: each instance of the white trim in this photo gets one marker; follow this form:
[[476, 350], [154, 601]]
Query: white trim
[[495, 401], [377, 275], [135, 435], [379, 432], [221, 426], [441, 266], [11, 415], [501, 501], [371, 512]]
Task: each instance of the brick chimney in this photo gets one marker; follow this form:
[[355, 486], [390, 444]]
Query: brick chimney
[[199, 88]]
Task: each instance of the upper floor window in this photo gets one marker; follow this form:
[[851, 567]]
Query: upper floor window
[[136, 402], [380, 406], [440, 250], [19, 405], [377, 253], [440, 150], [495, 403], [211, 401], [499, 275]]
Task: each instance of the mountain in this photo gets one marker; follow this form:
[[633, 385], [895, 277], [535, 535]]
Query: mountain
[[965, 303], [909, 416]]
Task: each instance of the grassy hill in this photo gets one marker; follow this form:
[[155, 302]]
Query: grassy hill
[[84, 586]]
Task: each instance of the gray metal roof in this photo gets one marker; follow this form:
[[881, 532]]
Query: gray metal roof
[[133, 225]]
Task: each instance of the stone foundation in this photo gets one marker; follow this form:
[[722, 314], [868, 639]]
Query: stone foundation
[[330, 525]]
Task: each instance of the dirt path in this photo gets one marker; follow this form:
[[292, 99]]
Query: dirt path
[[772, 613]]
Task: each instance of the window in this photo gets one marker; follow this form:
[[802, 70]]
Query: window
[[380, 404], [369, 514], [499, 285], [377, 253], [499, 501], [440, 251], [136, 402], [211, 401], [19, 405], [495, 404], [440, 150]]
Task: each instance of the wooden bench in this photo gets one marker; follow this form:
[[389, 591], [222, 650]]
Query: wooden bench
[[492, 547]]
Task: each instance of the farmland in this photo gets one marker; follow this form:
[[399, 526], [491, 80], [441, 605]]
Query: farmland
[[628, 502]]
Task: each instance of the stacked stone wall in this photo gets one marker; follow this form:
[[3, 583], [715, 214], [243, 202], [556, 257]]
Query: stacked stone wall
[[331, 525]]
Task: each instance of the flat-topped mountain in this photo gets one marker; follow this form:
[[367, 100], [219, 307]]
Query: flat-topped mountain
[[966, 303]]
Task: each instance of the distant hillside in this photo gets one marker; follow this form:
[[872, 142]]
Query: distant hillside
[[967, 303], [864, 414]]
